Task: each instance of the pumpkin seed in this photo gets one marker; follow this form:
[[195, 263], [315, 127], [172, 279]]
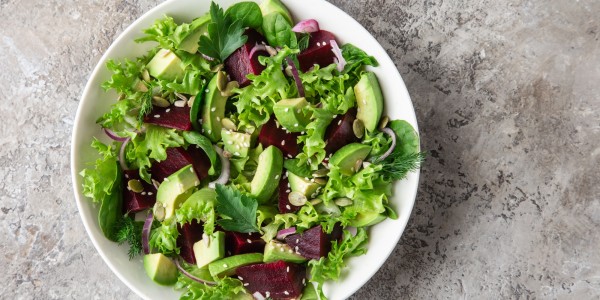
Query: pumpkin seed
[[228, 124], [221, 81], [343, 202], [384, 121], [217, 68], [160, 101], [179, 103], [320, 173], [159, 211], [141, 87], [135, 186], [359, 128], [191, 101], [155, 183], [146, 75], [316, 201], [357, 165], [121, 97], [321, 181], [180, 96], [229, 88], [297, 198], [227, 154]]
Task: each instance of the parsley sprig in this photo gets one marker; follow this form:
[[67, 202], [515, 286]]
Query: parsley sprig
[[239, 210], [225, 35]]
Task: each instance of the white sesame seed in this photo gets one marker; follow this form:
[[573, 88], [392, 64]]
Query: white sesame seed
[[340, 122], [228, 132], [157, 116], [298, 110], [303, 281], [318, 44], [306, 178], [276, 176], [287, 109], [267, 293], [334, 116], [150, 193], [237, 154], [240, 277], [297, 240], [199, 120], [288, 207], [229, 142], [209, 131], [237, 147], [207, 90], [296, 125], [286, 292], [291, 251], [283, 143], [166, 179], [324, 43], [224, 265], [287, 269], [296, 248], [126, 176], [246, 284], [168, 110], [290, 156], [287, 191], [302, 132], [213, 109], [143, 193], [218, 119], [289, 184], [249, 241]]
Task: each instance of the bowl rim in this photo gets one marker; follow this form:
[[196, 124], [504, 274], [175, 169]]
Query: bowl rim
[[89, 86]]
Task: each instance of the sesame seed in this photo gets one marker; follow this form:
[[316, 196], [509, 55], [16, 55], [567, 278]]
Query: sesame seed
[[246, 284], [249, 241], [283, 143], [207, 90], [287, 109], [297, 240], [213, 109], [166, 179], [339, 122], [303, 281], [287, 269], [298, 110], [237, 154], [218, 119], [229, 142], [302, 132], [126, 176], [209, 131], [334, 116], [228, 132], [296, 248], [240, 277], [168, 110], [318, 44], [200, 120], [224, 265], [290, 156], [324, 43], [287, 191], [288, 207], [276, 176], [143, 193], [291, 249], [150, 193], [267, 293], [289, 184], [157, 116], [306, 178], [237, 147], [286, 292], [296, 125]]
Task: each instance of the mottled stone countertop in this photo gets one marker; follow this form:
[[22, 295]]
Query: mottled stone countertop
[[507, 94]]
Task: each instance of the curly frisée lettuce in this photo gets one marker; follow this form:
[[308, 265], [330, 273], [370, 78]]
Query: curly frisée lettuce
[[212, 213]]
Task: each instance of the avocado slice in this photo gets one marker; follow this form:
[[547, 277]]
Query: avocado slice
[[268, 172], [346, 158], [166, 65], [275, 251], [227, 266], [236, 143], [365, 219], [309, 293], [160, 269], [291, 114], [198, 27], [369, 100], [275, 6], [176, 188], [210, 248], [213, 110], [302, 185]]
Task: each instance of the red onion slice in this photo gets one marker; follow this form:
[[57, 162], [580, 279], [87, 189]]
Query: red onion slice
[[188, 274], [281, 234], [146, 233], [340, 61], [258, 296], [122, 161], [310, 25], [392, 134], [225, 170], [296, 77], [111, 134], [257, 47]]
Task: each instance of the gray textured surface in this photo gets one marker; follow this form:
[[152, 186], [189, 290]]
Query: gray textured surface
[[507, 95]]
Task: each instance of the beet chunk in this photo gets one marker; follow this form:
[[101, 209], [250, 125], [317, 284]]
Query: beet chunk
[[319, 51], [241, 243], [273, 134], [340, 133], [178, 158], [239, 64], [313, 243], [277, 280], [189, 234], [136, 202], [284, 202], [170, 117]]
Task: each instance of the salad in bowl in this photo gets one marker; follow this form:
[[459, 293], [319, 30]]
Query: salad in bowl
[[247, 154]]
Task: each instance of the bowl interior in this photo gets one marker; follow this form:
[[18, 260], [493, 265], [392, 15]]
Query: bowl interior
[[94, 101]]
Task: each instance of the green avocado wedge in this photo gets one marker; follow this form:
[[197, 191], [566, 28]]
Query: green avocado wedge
[[268, 172], [369, 100], [346, 158], [228, 265], [160, 269], [213, 110]]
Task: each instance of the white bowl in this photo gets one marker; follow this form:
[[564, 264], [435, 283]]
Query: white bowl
[[94, 101]]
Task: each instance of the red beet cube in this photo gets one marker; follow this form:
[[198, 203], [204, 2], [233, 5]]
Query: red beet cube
[[273, 134], [277, 280], [136, 202], [170, 117], [319, 51], [178, 158], [240, 243], [313, 243], [239, 64], [340, 133], [284, 202], [189, 234]]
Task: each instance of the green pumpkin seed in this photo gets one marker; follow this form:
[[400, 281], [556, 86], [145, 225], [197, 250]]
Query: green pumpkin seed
[[146, 75], [321, 181], [232, 85], [159, 211], [343, 202], [316, 201], [190, 102], [221, 81], [357, 165], [384, 121], [359, 128], [228, 124], [297, 198], [320, 173], [216, 68], [135, 186], [160, 101]]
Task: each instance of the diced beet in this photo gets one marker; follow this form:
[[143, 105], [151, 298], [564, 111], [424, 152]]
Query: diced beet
[[340, 133], [313, 243], [239, 64], [189, 234], [170, 117], [284, 202], [277, 280], [319, 51], [136, 202], [240, 243], [337, 233], [178, 158], [274, 134]]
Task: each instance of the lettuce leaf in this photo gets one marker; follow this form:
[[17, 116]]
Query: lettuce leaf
[[199, 206], [356, 59], [330, 267], [226, 288], [164, 237], [168, 34], [98, 181]]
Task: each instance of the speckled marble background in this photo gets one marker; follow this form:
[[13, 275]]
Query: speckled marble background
[[507, 95]]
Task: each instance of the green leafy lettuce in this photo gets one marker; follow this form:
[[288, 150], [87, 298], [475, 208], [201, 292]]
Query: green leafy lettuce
[[99, 180], [226, 288], [163, 238], [199, 206]]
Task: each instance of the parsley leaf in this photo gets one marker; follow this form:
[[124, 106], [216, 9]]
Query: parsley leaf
[[239, 209], [225, 35]]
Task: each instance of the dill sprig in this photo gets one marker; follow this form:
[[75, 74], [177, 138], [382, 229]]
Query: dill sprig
[[398, 165], [130, 231]]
